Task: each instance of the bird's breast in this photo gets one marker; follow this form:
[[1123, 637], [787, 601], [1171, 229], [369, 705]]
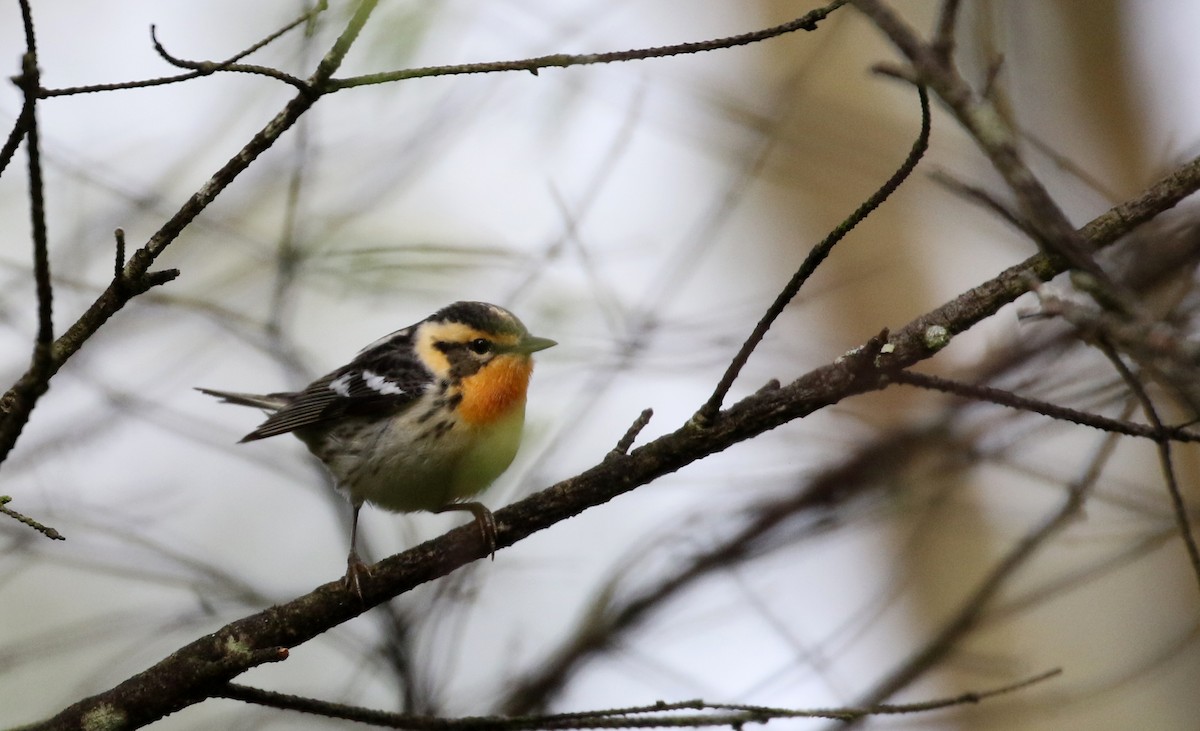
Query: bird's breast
[[489, 395]]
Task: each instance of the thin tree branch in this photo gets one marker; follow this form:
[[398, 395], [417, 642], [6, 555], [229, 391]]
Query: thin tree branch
[[15, 135], [17, 404], [626, 442], [563, 60], [981, 302], [659, 715], [37, 214], [1157, 432], [1159, 347], [40, 528], [29, 81], [229, 64], [943, 39], [810, 264], [1178, 505], [206, 68], [983, 198]]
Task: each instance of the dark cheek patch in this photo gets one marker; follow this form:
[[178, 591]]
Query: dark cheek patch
[[463, 364]]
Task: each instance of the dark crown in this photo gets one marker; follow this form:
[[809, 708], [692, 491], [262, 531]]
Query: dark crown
[[481, 316]]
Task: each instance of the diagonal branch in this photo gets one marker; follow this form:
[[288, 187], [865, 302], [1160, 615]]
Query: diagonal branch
[[1178, 505], [808, 267], [15, 135], [45, 530]]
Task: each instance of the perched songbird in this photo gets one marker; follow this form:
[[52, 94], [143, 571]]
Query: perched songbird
[[422, 419]]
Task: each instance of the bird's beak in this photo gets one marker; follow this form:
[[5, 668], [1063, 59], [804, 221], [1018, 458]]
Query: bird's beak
[[532, 344]]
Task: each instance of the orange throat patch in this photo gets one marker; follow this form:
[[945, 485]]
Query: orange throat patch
[[496, 390]]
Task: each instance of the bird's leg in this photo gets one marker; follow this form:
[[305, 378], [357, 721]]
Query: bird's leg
[[354, 565], [483, 519]]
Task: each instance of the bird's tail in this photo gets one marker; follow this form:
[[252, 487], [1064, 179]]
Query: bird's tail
[[270, 401]]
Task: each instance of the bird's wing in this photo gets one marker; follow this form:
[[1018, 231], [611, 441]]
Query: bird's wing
[[383, 380]]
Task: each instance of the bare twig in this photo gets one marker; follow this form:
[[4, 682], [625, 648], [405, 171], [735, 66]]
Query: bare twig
[[984, 198], [626, 441], [1157, 432], [1069, 166], [17, 404], [15, 135], [229, 64], [659, 715], [815, 257], [30, 82], [119, 262], [1178, 505], [943, 39], [563, 60], [40, 528], [1158, 346], [206, 68]]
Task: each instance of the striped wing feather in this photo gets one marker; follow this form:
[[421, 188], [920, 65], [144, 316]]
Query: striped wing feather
[[383, 380]]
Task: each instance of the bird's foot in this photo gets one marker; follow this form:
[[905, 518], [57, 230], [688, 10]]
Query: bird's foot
[[484, 520], [355, 570]]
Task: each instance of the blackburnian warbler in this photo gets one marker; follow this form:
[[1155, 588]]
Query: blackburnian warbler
[[421, 419]]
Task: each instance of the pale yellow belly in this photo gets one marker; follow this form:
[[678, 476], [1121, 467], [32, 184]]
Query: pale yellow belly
[[402, 475]]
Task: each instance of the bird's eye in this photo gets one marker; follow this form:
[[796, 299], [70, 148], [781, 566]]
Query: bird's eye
[[480, 346]]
